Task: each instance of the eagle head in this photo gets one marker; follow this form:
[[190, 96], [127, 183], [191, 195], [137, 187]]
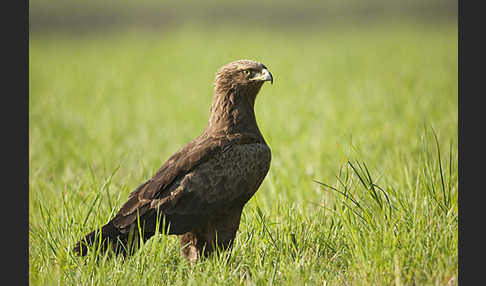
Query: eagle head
[[244, 76]]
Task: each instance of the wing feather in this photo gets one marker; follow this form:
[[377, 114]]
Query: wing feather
[[191, 184]]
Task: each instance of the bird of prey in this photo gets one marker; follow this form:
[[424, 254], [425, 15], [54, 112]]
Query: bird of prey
[[200, 191]]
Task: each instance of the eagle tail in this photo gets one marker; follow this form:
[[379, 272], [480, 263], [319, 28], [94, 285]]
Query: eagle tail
[[104, 239]]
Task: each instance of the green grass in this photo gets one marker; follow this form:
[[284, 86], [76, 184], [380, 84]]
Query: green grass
[[362, 123]]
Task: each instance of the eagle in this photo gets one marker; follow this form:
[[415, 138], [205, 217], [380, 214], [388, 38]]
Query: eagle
[[199, 192]]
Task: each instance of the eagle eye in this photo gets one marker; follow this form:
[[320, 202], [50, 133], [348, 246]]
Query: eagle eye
[[246, 72]]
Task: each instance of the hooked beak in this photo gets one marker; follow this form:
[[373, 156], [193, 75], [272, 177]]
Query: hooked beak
[[265, 75]]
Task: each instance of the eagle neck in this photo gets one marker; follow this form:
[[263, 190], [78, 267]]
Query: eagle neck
[[232, 112]]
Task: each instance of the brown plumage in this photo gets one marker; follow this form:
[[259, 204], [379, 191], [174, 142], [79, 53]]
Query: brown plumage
[[200, 191]]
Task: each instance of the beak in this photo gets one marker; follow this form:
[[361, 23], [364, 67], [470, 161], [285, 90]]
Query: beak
[[265, 75]]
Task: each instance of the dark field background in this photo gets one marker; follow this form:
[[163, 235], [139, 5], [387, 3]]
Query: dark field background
[[364, 101], [90, 16]]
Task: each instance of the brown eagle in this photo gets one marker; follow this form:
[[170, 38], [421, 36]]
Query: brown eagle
[[200, 191]]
